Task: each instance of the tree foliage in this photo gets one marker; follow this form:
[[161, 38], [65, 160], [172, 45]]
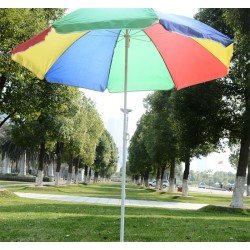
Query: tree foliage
[[55, 119], [237, 84], [18, 25], [106, 156], [139, 160]]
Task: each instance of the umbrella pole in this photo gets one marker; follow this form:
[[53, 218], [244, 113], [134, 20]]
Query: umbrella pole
[[125, 127]]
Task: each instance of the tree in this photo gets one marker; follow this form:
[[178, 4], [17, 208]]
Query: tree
[[234, 159], [155, 147], [106, 157], [196, 123], [87, 129], [68, 106], [139, 160], [103, 155], [163, 147], [49, 120], [112, 166], [236, 86], [15, 25]]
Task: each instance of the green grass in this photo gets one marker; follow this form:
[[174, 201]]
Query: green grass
[[112, 190], [31, 220]]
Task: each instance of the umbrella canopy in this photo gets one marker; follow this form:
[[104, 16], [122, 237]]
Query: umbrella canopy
[[85, 49]]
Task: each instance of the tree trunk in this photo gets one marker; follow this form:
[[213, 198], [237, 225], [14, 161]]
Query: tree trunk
[[185, 177], [142, 181], [41, 156], [76, 178], [70, 171], [6, 164], [59, 149], [248, 177], [96, 176], [2, 83], [248, 190], [23, 165], [102, 173], [80, 177], [184, 188], [69, 178], [137, 179], [146, 176], [40, 164], [40, 178], [162, 176], [51, 169], [172, 176], [16, 170], [157, 186], [239, 189], [89, 177], [171, 187], [238, 192], [76, 174], [57, 178], [85, 174], [1, 166]]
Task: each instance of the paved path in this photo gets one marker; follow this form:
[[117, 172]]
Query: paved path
[[111, 201]]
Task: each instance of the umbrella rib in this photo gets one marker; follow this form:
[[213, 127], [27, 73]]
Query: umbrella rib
[[111, 31], [122, 32], [104, 35], [137, 33], [149, 41], [146, 35], [120, 40]]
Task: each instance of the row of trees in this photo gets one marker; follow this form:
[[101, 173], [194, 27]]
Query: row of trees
[[195, 121], [177, 126], [63, 126], [47, 122]]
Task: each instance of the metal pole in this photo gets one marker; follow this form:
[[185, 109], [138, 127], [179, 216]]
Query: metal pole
[[123, 194]]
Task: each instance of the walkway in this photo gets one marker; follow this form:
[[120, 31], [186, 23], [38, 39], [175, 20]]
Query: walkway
[[111, 201]]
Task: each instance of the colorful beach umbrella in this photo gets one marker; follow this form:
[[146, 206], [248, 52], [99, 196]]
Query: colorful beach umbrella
[[85, 49], [162, 51]]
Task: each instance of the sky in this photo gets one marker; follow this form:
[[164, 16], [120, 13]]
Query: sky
[[107, 104]]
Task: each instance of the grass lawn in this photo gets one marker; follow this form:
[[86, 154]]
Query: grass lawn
[[112, 190], [31, 220]]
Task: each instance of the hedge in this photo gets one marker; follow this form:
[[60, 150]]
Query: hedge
[[23, 178]]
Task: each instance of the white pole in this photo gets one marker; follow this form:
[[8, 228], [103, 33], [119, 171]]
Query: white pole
[[125, 113]]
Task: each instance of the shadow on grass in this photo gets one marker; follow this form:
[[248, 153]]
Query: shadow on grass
[[226, 209]]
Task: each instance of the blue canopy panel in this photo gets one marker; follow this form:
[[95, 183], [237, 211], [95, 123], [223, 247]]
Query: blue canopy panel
[[193, 28], [86, 63]]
